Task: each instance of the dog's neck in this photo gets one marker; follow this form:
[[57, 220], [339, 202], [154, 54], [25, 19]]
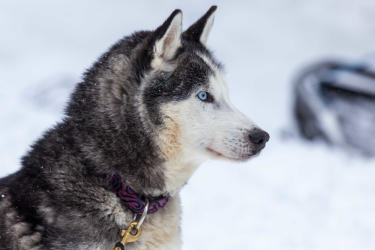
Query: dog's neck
[[175, 177], [177, 174], [179, 161], [133, 201]]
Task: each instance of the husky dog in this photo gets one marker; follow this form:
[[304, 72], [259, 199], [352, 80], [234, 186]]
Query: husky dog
[[150, 110]]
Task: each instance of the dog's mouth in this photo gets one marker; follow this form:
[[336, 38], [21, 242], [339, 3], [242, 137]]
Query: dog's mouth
[[222, 156]]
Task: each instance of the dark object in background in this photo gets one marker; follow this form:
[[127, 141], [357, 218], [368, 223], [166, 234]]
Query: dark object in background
[[335, 102]]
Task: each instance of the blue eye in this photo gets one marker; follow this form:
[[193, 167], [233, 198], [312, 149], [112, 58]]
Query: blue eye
[[203, 95]]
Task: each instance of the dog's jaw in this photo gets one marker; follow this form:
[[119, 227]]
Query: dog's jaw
[[180, 164], [177, 174]]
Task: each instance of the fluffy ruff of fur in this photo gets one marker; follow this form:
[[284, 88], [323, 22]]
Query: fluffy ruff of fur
[[134, 114]]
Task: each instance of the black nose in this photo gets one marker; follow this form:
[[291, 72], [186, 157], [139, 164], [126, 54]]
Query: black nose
[[259, 137]]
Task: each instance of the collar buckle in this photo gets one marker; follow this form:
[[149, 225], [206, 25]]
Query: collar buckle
[[134, 230]]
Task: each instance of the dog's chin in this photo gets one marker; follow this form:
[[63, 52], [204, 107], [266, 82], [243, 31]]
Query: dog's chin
[[217, 155]]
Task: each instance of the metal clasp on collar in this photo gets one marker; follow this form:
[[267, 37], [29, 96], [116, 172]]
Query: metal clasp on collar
[[134, 230]]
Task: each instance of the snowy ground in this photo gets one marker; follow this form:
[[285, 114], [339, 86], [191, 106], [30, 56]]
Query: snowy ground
[[295, 195]]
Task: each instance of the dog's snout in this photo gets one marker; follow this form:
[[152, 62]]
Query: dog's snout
[[258, 137]]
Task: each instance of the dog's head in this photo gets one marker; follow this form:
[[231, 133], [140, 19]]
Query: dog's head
[[175, 85], [186, 94]]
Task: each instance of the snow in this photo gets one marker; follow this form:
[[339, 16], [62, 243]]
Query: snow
[[295, 195]]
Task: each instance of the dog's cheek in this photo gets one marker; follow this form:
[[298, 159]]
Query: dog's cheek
[[169, 139]]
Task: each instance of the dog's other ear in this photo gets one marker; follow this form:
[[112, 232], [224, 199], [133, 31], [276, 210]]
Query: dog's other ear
[[200, 30], [168, 37]]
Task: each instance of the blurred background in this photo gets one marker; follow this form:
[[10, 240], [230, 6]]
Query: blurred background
[[298, 194]]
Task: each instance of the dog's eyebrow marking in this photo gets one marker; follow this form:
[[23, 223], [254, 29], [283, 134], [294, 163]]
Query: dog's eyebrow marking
[[212, 65]]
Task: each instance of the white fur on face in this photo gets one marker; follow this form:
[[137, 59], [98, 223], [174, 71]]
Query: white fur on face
[[228, 127], [201, 130], [195, 131]]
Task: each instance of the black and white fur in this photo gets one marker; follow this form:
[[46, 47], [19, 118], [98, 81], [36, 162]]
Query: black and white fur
[[136, 114]]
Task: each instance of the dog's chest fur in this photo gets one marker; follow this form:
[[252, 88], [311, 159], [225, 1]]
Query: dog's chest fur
[[159, 231], [162, 229]]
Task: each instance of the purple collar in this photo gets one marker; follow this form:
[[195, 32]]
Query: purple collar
[[132, 200]]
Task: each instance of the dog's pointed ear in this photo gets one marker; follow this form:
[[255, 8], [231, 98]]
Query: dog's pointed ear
[[168, 37], [200, 30]]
